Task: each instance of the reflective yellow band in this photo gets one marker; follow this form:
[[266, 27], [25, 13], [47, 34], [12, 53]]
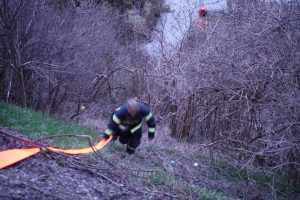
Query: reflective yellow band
[[116, 119], [108, 131], [151, 130], [148, 117], [136, 128], [123, 128]]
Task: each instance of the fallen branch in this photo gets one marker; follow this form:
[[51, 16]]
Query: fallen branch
[[101, 175], [89, 138], [63, 135], [156, 193], [4, 132]]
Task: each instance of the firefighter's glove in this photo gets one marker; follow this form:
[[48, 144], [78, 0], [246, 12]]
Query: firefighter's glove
[[151, 136], [105, 136]]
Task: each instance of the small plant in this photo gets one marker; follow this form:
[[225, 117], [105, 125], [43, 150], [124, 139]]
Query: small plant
[[151, 148], [60, 161]]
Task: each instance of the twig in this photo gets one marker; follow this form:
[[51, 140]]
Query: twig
[[154, 193], [63, 135], [82, 136], [101, 175], [25, 141], [98, 168], [141, 170], [35, 144], [83, 168]]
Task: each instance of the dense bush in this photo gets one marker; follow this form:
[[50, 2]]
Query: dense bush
[[238, 88]]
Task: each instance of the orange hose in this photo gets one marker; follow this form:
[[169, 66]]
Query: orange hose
[[96, 147], [11, 156]]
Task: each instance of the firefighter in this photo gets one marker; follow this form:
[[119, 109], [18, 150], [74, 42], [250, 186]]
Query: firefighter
[[126, 124]]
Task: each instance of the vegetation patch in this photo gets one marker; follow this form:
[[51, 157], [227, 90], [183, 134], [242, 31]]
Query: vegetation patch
[[283, 186], [36, 125], [176, 183]]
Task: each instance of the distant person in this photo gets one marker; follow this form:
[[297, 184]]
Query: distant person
[[202, 11], [126, 123]]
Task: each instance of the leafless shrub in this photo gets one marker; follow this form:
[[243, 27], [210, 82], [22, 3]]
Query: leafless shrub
[[53, 52], [235, 86], [240, 86]]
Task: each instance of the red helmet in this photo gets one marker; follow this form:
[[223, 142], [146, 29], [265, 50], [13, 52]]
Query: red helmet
[[202, 11]]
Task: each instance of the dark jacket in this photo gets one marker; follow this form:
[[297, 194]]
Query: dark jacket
[[121, 121]]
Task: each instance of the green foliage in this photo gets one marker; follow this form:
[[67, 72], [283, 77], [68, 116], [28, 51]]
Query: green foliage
[[36, 125], [151, 148], [283, 186], [207, 194], [175, 183], [60, 161], [280, 183], [173, 152]]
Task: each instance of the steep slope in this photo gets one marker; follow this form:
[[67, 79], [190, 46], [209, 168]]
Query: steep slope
[[160, 169]]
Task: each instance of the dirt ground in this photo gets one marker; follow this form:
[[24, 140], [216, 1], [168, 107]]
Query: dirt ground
[[51, 176], [156, 171]]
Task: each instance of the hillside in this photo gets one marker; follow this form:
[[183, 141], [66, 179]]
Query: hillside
[[163, 169], [217, 81]]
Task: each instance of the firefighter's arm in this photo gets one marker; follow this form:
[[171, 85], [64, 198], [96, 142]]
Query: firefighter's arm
[[114, 124], [149, 118]]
